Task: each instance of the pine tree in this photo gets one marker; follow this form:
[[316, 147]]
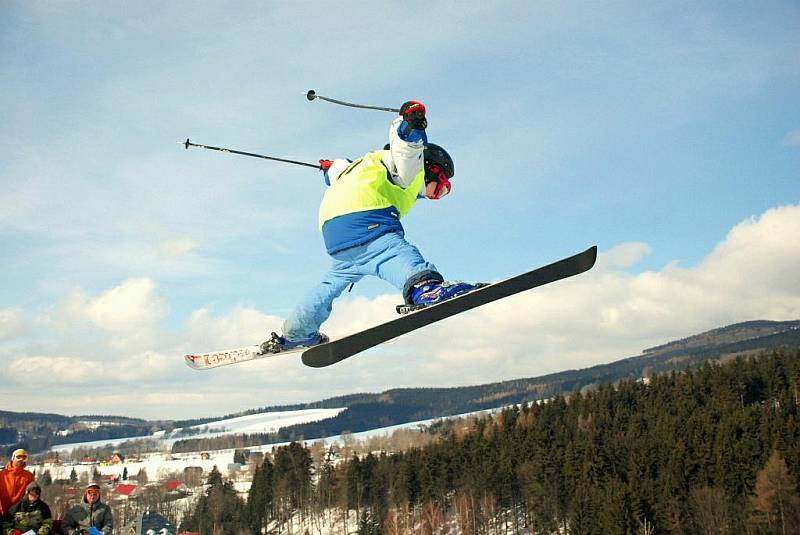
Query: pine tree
[[259, 497], [219, 511]]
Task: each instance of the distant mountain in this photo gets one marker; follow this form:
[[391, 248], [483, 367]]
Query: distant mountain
[[38, 431], [369, 411], [739, 332]]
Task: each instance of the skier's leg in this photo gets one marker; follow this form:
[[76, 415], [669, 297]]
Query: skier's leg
[[304, 322], [401, 264]]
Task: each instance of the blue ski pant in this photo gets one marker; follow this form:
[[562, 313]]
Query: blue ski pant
[[389, 257]]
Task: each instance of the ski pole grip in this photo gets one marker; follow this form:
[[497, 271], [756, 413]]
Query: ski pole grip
[[311, 95]]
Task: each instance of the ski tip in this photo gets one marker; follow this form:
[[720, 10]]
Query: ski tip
[[587, 258], [593, 253], [319, 356], [313, 361], [311, 95], [191, 361]]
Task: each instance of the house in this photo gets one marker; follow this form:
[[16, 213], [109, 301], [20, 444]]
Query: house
[[125, 491], [174, 486], [117, 458], [205, 456], [88, 460], [108, 480]]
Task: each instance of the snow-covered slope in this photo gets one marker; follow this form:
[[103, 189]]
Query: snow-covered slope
[[265, 422]]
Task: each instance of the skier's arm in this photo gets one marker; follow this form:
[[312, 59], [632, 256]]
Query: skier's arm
[[407, 140]]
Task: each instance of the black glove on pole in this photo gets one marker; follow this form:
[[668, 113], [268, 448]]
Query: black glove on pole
[[413, 113]]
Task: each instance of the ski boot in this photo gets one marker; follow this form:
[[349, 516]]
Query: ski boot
[[433, 292], [277, 343]]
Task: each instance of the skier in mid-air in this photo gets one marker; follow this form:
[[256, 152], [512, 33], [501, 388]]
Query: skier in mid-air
[[360, 222]]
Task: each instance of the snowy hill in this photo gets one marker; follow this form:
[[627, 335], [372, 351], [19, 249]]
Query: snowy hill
[[266, 422], [362, 412]]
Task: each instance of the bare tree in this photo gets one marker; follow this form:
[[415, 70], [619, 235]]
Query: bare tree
[[711, 511], [776, 503]]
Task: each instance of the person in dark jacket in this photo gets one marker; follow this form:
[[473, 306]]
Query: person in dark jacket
[[91, 516], [30, 514]]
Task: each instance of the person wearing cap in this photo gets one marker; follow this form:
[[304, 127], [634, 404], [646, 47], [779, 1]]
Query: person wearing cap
[[30, 514], [13, 480], [91, 516]]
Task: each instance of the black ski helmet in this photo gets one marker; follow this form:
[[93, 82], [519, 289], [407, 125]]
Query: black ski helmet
[[436, 154]]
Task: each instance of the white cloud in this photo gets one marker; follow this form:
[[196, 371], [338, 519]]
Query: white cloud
[[128, 314], [242, 326], [72, 370], [605, 314], [131, 305], [623, 256], [54, 370]]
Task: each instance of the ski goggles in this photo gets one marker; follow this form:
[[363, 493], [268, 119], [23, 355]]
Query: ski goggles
[[435, 174]]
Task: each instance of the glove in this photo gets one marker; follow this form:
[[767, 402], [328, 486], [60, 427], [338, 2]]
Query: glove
[[324, 165], [16, 532], [94, 531], [413, 114]]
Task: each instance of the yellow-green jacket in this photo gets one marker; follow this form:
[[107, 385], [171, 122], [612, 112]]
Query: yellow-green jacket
[[364, 202]]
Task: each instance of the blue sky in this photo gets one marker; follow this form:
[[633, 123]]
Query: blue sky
[[667, 134]]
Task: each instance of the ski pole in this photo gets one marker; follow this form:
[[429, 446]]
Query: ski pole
[[311, 95], [188, 144]]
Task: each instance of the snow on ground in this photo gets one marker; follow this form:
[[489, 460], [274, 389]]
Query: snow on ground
[[163, 465], [265, 422]]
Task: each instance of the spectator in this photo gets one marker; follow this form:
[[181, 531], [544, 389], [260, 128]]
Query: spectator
[[30, 514], [13, 481], [90, 516]]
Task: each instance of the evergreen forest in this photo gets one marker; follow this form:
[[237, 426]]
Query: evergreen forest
[[710, 450]]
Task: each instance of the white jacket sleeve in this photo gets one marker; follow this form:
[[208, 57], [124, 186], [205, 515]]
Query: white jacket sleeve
[[337, 167], [403, 159]]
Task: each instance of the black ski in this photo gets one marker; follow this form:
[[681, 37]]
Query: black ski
[[338, 350]]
